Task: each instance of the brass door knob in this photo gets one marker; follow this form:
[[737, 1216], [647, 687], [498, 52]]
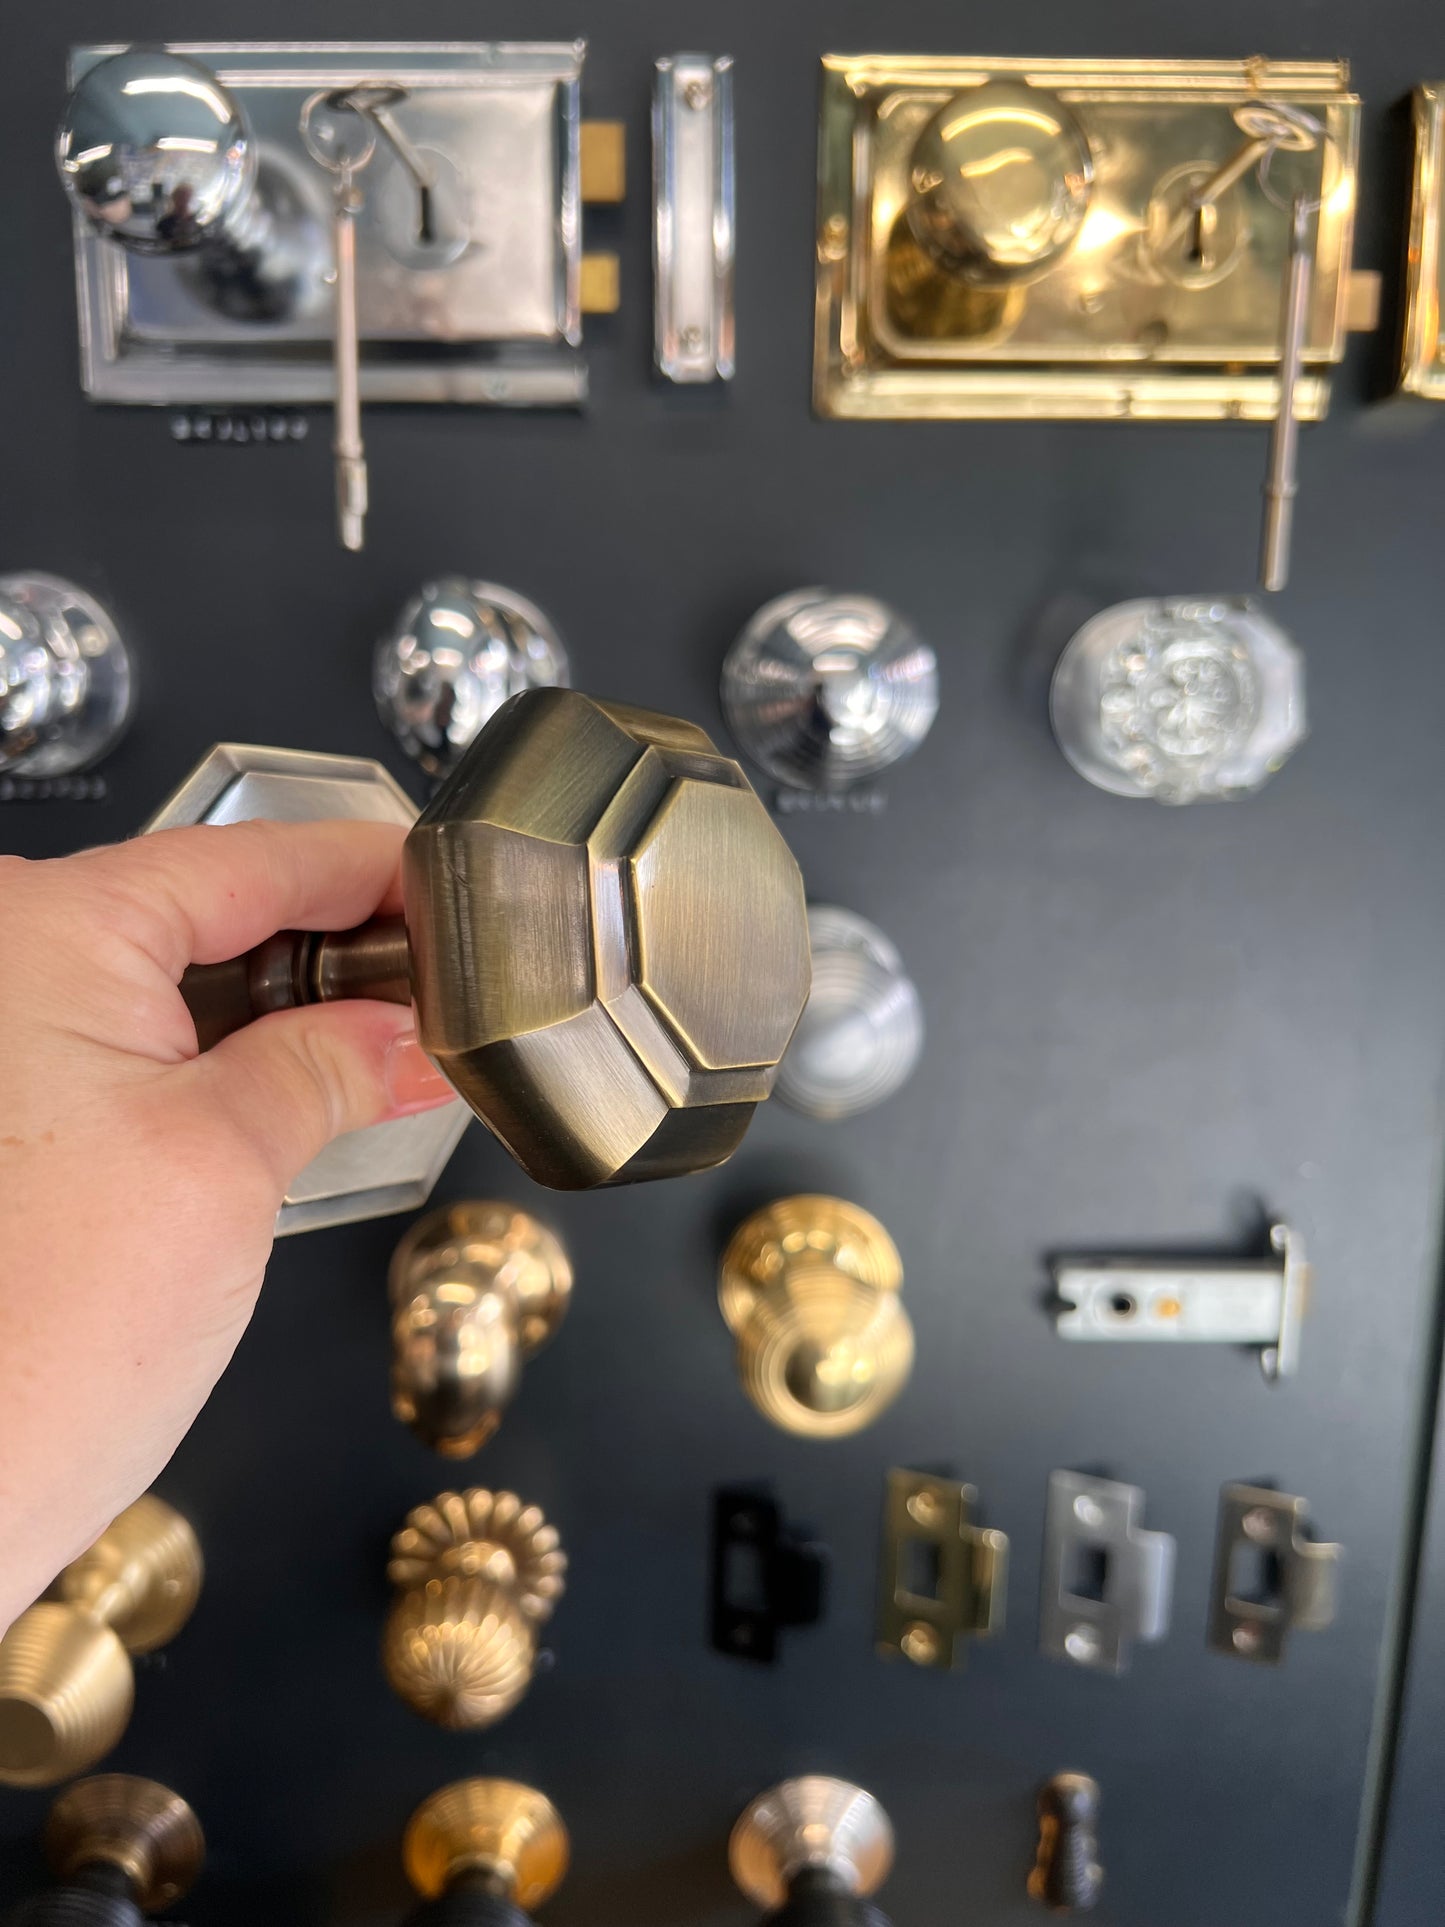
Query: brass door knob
[[66, 1681], [120, 1848], [1002, 177], [475, 1290], [813, 1850], [605, 940], [810, 1287], [477, 1574], [483, 1853]]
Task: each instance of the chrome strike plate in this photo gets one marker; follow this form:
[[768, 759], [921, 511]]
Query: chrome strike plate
[[943, 1577], [1106, 1581], [1270, 1578], [693, 235], [1219, 1301]]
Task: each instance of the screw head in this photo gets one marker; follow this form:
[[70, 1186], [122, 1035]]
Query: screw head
[[921, 1644], [1247, 1639], [925, 1508], [698, 94], [1258, 1525], [1081, 1643], [1088, 1511]]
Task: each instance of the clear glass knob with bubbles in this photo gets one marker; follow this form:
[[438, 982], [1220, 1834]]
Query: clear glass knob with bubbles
[[862, 1028], [65, 678]]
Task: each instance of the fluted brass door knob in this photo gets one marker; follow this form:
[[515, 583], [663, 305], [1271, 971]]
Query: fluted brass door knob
[[66, 1681], [488, 1850], [477, 1574], [811, 1851], [810, 1287], [475, 1290], [605, 940], [120, 1848]]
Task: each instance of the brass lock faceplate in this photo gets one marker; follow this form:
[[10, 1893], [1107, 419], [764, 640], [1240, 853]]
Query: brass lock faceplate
[[1423, 367], [1129, 313]]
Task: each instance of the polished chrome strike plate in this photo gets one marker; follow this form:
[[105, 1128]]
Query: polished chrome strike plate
[[693, 233], [1215, 1301], [943, 1578], [1106, 1581], [1423, 368], [1086, 238], [1270, 1578]]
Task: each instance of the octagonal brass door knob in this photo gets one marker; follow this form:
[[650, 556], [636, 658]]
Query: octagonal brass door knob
[[477, 1574], [605, 940], [66, 1681], [811, 1851], [484, 1853], [810, 1288], [120, 1848], [476, 1288]]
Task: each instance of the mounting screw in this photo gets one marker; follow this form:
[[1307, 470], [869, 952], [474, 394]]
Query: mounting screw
[[698, 94], [921, 1644], [1258, 1525]]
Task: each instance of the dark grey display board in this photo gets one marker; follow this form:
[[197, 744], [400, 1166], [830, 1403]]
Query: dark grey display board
[[1143, 1025]]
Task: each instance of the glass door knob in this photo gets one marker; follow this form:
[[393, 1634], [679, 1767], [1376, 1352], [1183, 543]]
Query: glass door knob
[[65, 678]]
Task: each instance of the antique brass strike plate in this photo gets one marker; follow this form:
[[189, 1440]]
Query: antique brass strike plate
[[1141, 305], [1423, 369]]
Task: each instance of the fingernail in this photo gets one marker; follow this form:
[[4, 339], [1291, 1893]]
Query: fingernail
[[413, 1081]]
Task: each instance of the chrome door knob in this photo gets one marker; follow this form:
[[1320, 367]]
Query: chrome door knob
[[65, 678], [826, 690], [862, 1027], [455, 654], [813, 1850], [154, 151]]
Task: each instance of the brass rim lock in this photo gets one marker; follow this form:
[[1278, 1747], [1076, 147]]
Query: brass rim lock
[[1066, 1875], [479, 1843], [476, 1288], [477, 1574], [66, 1681], [813, 1844], [605, 940], [810, 1287]]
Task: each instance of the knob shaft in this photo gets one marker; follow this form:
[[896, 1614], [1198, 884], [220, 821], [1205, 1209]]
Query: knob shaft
[[811, 1851], [65, 678], [862, 1027]]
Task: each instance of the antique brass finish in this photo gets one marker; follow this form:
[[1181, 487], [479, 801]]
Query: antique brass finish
[[475, 1290], [143, 1830], [477, 1573], [608, 941], [813, 1829], [1066, 1875], [497, 1831], [810, 1288], [1028, 238], [944, 1579], [1423, 366], [66, 1682]]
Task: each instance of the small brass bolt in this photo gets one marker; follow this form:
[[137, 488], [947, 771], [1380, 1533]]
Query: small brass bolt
[[921, 1644], [924, 1508]]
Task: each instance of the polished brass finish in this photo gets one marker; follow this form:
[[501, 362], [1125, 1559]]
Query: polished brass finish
[[144, 1830], [599, 287], [602, 155], [810, 1288], [1423, 364], [974, 259], [928, 1523], [509, 1834], [608, 941], [66, 1682], [475, 1290], [814, 1824], [1066, 1875], [477, 1573]]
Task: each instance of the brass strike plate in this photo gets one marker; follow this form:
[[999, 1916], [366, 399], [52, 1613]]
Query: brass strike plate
[[943, 1577], [1121, 324], [1423, 368]]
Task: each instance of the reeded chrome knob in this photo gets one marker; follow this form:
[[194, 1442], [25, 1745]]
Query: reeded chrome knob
[[154, 151], [811, 1836], [1182, 700], [825, 690], [1002, 177], [862, 1027], [478, 1840], [65, 677], [456, 653]]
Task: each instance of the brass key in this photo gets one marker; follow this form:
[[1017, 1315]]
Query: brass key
[[1267, 125]]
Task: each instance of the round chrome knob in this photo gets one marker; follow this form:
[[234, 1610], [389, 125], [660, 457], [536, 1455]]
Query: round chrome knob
[[1179, 700], [825, 690], [862, 1027], [1002, 176], [65, 677], [154, 151], [456, 653], [810, 1826]]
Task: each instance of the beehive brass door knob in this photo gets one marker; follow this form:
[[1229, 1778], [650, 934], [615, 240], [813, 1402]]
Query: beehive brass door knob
[[476, 1574], [66, 1682], [810, 1288], [484, 1853], [475, 1290], [120, 1848], [811, 1851], [605, 940]]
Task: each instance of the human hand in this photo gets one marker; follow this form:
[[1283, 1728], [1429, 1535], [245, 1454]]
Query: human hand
[[140, 1180]]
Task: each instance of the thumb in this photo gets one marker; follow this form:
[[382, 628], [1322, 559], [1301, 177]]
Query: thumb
[[295, 1079]]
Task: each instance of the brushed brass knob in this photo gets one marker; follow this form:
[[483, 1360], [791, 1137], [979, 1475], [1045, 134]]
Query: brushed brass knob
[[477, 1574], [809, 1838], [134, 1827], [810, 1287], [475, 1290], [497, 1835], [66, 1682]]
